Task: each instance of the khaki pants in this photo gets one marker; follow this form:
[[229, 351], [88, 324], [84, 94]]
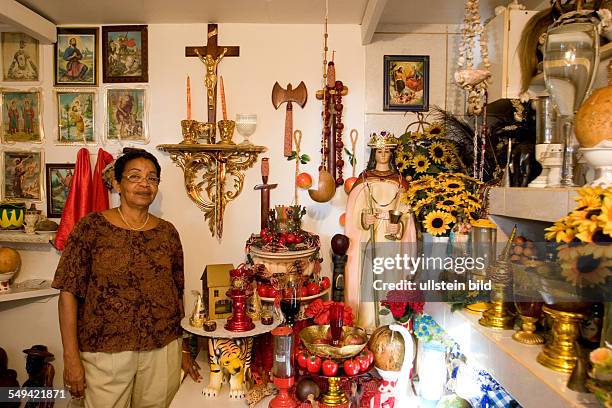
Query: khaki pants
[[132, 379]]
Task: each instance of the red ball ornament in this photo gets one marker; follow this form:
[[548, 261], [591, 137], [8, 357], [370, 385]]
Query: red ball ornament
[[339, 144], [349, 183], [340, 163], [303, 180], [339, 181]]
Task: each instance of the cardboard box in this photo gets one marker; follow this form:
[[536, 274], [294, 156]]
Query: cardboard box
[[215, 283]]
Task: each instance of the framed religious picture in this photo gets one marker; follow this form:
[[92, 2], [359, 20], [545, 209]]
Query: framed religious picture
[[126, 114], [21, 116], [22, 175], [20, 58], [125, 53], [76, 116], [406, 83], [59, 179], [76, 56]]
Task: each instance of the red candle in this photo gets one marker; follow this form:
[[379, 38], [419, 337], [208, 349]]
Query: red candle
[[188, 98], [223, 100]]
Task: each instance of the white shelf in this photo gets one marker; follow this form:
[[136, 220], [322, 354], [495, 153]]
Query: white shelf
[[537, 204], [25, 293], [40, 237], [511, 363]]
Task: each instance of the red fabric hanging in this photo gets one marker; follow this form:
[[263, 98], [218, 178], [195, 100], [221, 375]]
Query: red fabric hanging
[[99, 198], [78, 203]]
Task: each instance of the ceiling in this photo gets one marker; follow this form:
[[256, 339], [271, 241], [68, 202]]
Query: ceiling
[[252, 11]]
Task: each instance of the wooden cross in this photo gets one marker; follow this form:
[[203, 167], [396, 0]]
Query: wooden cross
[[216, 53]]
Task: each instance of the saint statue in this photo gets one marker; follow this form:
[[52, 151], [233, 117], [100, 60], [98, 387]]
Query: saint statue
[[372, 214], [210, 80]]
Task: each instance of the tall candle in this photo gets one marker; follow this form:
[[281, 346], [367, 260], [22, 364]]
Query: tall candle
[[188, 98], [223, 99]]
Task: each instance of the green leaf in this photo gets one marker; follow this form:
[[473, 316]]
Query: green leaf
[[384, 312], [347, 151], [292, 156], [303, 162], [305, 157]]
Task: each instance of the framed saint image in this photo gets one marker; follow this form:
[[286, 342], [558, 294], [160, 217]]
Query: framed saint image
[[126, 114], [76, 56], [76, 116], [59, 179], [125, 53], [406, 83], [22, 175], [21, 116], [20, 58]]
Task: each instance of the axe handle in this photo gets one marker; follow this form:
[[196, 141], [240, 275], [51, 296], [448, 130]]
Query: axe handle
[[288, 130]]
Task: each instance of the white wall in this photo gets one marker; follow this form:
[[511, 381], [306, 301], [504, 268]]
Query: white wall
[[268, 53]]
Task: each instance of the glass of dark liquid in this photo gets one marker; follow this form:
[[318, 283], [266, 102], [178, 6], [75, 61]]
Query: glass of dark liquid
[[289, 304], [336, 321]]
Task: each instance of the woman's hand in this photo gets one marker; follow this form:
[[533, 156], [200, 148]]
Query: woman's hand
[[392, 229], [190, 366], [74, 377], [369, 219]]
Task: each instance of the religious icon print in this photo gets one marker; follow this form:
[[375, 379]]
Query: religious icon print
[[21, 116], [124, 53], [76, 117], [22, 175], [76, 56], [406, 83], [126, 114], [20, 57], [59, 181]]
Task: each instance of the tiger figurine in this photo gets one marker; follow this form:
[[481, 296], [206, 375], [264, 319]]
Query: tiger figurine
[[229, 358]]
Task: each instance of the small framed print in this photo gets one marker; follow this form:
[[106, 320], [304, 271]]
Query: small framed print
[[76, 56], [20, 58], [125, 53], [126, 114], [76, 116], [59, 179], [22, 175], [406, 83], [21, 116]]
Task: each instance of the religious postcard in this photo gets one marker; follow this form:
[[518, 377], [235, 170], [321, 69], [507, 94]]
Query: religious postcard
[[21, 116], [125, 53], [76, 55], [76, 116], [59, 180], [20, 58], [22, 175], [406, 83], [126, 114]]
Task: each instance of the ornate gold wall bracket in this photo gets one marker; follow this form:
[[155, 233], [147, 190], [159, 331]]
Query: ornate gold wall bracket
[[214, 175]]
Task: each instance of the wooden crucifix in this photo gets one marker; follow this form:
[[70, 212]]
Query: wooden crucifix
[[211, 54]]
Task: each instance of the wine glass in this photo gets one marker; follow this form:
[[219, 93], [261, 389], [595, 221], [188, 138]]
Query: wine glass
[[290, 304], [336, 321], [245, 126], [571, 57]]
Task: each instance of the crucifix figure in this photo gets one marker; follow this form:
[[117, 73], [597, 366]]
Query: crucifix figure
[[210, 55]]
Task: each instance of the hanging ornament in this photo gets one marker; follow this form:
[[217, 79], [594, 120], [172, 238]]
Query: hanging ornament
[[350, 182]]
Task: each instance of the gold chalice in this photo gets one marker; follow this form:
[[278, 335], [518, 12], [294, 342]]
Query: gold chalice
[[395, 218], [226, 131]]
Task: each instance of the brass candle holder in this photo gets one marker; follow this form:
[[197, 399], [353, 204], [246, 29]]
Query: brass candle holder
[[561, 354], [335, 395], [226, 131], [526, 335], [189, 130]]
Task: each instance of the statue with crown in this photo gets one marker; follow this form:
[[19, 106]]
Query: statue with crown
[[379, 225]]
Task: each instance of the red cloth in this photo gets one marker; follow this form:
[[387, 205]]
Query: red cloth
[[78, 203], [99, 198]]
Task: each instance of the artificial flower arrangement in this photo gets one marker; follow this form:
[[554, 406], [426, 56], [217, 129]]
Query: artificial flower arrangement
[[440, 201], [585, 255], [403, 305], [600, 382], [319, 311]]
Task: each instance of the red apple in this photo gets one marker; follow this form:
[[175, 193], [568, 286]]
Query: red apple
[[304, 180], [348, 184]]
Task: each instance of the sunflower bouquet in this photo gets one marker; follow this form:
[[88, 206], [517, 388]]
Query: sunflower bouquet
[[427, 151], [440, 201], [585, 256]]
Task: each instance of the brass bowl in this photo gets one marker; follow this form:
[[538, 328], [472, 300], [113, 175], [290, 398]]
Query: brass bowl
[[310, 334]]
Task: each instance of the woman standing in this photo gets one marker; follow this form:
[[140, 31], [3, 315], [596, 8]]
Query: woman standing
[[121, 301]]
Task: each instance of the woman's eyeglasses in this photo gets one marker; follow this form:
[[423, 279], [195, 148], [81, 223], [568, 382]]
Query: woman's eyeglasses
[[137, 178]]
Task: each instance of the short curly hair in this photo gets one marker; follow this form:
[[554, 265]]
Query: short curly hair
[[131, 154]]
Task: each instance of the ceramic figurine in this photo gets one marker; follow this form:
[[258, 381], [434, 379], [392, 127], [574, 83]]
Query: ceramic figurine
[[229, 357]]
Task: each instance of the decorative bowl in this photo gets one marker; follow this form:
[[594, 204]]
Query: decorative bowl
[[309, 335], [283, 262], [11, 215]]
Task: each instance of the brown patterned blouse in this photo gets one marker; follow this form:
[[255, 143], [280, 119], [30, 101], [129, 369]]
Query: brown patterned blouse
[[128, 284]]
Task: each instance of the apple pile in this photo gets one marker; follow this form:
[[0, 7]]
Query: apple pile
[[314, 364], [523, 249], [309, 288]]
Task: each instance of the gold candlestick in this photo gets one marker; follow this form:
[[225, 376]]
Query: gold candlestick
[[226, 131], [560, 354], [334, 395]]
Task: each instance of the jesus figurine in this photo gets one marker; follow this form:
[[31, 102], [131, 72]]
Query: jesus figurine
[[210, 80]]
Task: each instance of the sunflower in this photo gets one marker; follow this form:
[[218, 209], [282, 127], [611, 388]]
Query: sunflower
[[582, 267], [437, 222], [454, 185], [420, 163], [401, 163], [437, 152], [435, 130], [560, 231], [604, 219], [450, 201]]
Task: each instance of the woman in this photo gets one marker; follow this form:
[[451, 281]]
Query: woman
[[120, 306], [378, 190]]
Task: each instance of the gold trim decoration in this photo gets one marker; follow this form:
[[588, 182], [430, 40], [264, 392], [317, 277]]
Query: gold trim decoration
[[213, 174], [334, 396]]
